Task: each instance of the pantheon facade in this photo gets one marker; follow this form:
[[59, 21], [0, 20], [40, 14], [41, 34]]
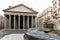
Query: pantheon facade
[[20, 17]]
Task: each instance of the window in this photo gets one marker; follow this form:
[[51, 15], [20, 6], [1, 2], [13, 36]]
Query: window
[[54, 4]]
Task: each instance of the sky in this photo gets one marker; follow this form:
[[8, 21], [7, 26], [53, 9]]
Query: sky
[[37, 5]]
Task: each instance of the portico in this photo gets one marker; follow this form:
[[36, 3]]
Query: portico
[[24, 18], [21, 21]]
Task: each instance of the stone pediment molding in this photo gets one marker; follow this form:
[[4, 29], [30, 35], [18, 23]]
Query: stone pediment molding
[[19, 8]]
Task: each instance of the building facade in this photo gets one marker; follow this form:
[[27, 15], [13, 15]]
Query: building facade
[[53, 13], [20, 17], [44, 16]]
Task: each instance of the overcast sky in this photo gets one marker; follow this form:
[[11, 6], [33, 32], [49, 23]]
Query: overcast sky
[[38, 5]]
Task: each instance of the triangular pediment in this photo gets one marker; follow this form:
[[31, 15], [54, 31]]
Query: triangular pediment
[[20, 8]]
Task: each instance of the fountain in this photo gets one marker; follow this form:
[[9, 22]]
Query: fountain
[[40, 35], [47, 33]]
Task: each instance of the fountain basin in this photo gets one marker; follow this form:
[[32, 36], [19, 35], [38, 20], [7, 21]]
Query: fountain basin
[[39, 35]]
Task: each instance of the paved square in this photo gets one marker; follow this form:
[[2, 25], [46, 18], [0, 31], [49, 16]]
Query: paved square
[[13, 37]]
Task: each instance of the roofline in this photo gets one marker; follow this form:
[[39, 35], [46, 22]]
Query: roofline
[[19, 5], [20, 12]]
